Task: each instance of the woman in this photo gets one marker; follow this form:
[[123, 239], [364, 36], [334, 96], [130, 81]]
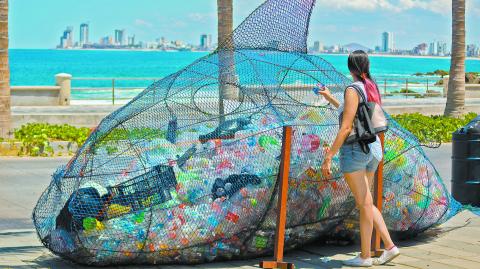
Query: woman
[[357, 166]]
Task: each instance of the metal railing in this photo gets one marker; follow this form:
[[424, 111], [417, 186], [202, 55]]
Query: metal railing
[[116, 89], [109, 88], [412, 86]]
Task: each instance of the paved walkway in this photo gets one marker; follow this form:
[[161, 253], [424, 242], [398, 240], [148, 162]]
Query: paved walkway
[[455, 244]]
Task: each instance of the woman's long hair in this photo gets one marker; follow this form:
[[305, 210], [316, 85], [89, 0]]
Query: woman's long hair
[[359, 66]]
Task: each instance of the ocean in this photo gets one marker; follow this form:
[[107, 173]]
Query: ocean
[[38, 66]]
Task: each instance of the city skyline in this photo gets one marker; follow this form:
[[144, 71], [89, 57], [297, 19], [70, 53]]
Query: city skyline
[[121, 40], [332, 21]]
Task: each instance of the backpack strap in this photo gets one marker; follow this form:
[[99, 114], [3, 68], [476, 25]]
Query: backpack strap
[[359, 92]]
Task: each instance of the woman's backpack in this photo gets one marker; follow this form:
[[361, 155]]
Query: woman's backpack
[[369, 121]]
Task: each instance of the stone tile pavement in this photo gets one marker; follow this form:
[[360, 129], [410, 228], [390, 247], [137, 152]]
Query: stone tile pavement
[[454, 244]]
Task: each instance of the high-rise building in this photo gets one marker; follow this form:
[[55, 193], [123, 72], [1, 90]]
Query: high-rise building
[[83, 34], [66, 40], [316, 46], [433, 49], [131, 41], [205, 41], [321, 48], [120, 37], [162, 43], [387, 42], [178, 43], [61, 43], [335, 49], [106, 40], [209, 43], [420, 49], [442, 48], [473, 50], [152, 45]]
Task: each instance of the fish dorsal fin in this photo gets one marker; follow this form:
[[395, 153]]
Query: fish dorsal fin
[[275, 25]]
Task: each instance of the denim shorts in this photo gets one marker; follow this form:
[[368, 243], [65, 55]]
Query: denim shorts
[[352, 159]]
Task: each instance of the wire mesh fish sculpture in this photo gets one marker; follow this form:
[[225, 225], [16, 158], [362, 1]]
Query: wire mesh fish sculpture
[[186, 172]]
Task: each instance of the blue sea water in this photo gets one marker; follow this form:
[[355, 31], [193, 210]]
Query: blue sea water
[[38, 67]]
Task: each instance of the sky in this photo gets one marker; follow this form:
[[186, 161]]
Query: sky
[[39, 24]]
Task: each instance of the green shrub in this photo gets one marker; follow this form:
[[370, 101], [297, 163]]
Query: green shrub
[[36, 137], [409, 92], [115, 135], [432, 128], [437, 72], [404, 90]]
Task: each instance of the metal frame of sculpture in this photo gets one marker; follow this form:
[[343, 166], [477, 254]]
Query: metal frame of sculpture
[[186, 172]]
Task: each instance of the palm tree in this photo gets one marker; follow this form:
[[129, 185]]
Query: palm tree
[[4, 72], [225, 20], [226, 59], [456, 83]]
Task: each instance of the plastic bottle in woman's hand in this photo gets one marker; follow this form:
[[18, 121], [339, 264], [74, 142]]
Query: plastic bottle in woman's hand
[[320, 87], [323, 91]]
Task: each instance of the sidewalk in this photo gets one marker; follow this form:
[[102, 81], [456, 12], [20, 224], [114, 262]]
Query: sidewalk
[[455, 244]]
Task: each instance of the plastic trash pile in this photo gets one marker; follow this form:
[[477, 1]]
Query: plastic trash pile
[[187, 171]]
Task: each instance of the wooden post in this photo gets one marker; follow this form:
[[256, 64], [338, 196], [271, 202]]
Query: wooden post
[[385, 87], [378, 201], [282, 204], [113, 91], [406, 85]]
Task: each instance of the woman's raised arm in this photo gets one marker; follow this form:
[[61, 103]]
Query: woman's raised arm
[[325, 92], [349, 111]]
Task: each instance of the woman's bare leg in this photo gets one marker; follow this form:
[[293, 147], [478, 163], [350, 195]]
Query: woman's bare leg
[[378, 221], [361, 191]]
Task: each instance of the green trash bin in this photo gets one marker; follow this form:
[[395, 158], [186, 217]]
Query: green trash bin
[[466, 163]]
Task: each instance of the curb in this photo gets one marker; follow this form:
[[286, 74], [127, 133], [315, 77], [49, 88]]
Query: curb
[[60, 148], [16, 231]]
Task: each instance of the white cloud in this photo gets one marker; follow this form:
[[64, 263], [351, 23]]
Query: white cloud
[[357, 29], [473, 7], [179, 24], [140, 22], [357, 4], [331, 28], [201, 17], [443, 7], [437, 6]]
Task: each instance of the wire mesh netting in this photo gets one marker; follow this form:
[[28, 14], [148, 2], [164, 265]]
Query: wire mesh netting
[[187, 171]]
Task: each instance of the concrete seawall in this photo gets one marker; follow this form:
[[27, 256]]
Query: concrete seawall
[[56, 95]]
